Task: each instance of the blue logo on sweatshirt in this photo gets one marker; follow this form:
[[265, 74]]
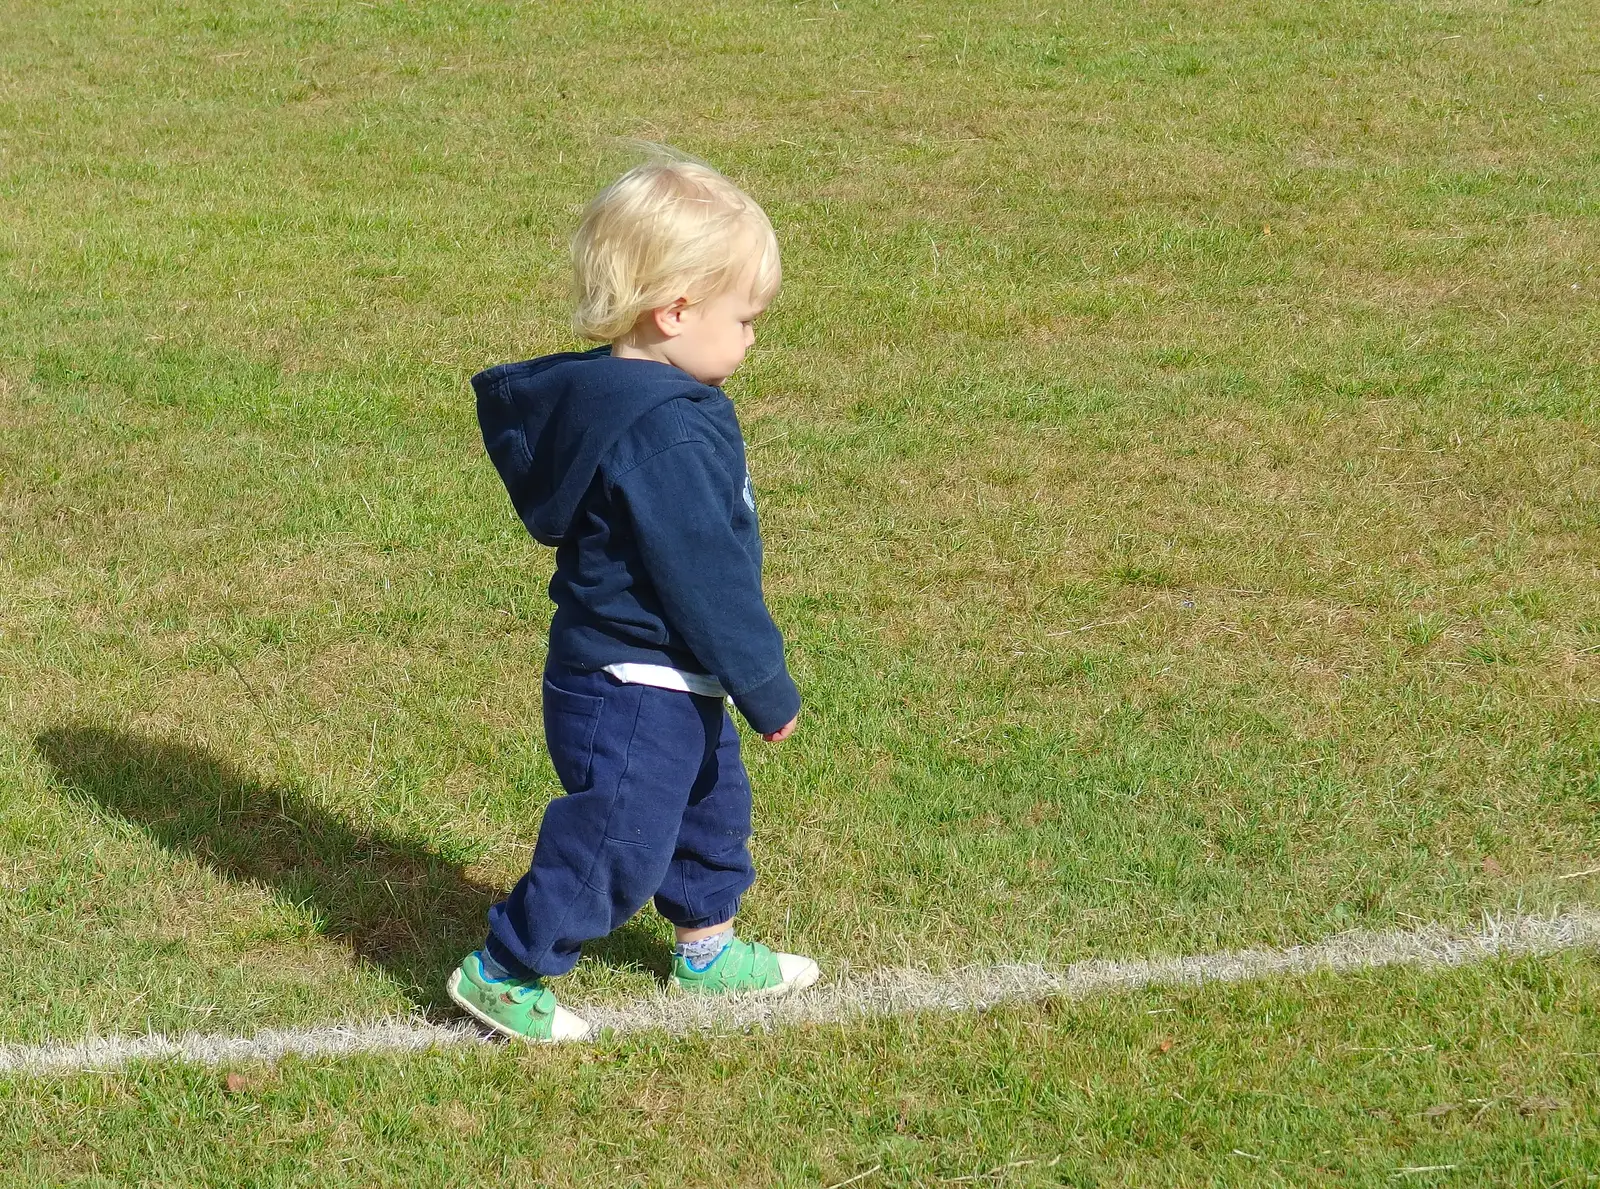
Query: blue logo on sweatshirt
[[749, 493]]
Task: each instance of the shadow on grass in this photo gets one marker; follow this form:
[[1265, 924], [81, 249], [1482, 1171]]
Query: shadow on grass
[[393, 901]]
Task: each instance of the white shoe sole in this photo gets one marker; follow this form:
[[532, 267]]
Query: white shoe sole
[[798, 973], [563, 1027]]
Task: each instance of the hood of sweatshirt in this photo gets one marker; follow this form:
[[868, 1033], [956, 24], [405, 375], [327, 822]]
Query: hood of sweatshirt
[[548, 422]]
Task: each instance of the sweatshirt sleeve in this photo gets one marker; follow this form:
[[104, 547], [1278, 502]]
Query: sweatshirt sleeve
[[708, 582]]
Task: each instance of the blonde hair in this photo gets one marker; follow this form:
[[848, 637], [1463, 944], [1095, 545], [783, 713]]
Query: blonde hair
[[663, 230]]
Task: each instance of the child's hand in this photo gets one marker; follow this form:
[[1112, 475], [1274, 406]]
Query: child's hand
[[782, 732]]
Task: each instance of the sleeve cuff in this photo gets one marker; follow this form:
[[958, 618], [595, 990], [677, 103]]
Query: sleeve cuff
[[770, 706]]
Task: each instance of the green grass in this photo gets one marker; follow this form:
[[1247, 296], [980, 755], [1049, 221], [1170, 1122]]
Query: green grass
[[1483, 1075], [1175, 444]]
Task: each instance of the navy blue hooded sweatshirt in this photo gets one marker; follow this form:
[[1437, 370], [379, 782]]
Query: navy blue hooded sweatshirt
[[635, 472]]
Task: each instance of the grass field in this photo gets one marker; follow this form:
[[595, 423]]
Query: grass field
[[1177, 452]]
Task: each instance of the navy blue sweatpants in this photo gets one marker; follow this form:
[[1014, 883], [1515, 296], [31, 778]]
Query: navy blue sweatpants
[[657, 804]]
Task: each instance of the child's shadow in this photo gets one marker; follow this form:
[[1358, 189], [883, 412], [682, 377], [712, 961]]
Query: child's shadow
[[393, 901]]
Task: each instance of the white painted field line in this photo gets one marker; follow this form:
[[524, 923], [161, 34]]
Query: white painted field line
[[900, 992], [873, 993]]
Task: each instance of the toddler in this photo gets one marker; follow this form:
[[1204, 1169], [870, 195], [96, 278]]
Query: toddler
[[628, 459]]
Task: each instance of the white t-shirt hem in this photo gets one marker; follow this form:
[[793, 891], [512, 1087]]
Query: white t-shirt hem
[[666, 677]]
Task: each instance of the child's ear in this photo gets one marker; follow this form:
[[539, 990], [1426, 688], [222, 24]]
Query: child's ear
[[669, 318]]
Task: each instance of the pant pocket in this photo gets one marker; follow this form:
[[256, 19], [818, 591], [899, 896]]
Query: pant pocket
[[570, 722]]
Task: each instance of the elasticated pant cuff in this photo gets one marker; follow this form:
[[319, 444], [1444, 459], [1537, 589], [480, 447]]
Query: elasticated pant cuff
[[726, 913]]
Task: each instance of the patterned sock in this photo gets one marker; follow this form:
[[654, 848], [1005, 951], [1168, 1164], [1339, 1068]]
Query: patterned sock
[[492, 970], [700, 954]]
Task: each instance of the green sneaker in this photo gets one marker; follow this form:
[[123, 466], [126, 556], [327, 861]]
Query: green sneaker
[[746, 967], [522, 1010]]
